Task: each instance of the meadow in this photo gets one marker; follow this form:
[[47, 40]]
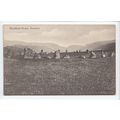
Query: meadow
[[59, 77]]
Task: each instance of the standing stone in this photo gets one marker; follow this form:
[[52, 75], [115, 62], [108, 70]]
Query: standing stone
[[93, 55], [103, 54], [112, 54], [57, 56]]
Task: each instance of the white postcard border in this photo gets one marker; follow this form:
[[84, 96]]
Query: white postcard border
[[117, 96]]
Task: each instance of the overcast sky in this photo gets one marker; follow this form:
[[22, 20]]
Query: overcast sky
[[63, 35]]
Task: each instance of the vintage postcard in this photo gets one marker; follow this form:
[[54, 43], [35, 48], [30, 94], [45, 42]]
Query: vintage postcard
[[59, 59]]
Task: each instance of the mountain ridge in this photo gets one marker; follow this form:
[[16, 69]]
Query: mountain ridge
[[48, 47]]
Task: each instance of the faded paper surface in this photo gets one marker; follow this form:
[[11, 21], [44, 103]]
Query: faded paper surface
[[59, 59]]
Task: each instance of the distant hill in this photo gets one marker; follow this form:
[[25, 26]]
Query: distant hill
[[74, 48], [104, 45], [47, 47], [12, 51], [50, 47]]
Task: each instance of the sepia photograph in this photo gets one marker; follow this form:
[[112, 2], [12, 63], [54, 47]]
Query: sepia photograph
[[59, 59]]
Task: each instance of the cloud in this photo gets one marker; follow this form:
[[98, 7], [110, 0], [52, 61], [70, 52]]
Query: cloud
[[101, 35], [64, 35]]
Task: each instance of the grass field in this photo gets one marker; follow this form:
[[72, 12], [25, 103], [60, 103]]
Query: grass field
[[59, 77]]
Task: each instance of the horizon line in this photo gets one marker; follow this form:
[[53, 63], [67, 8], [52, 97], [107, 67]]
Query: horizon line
[[58, 44]]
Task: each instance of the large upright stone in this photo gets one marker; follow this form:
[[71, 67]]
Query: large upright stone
[[57, 54]]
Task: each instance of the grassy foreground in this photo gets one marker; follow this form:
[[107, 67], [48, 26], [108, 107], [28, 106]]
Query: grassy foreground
[[59, 77]]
